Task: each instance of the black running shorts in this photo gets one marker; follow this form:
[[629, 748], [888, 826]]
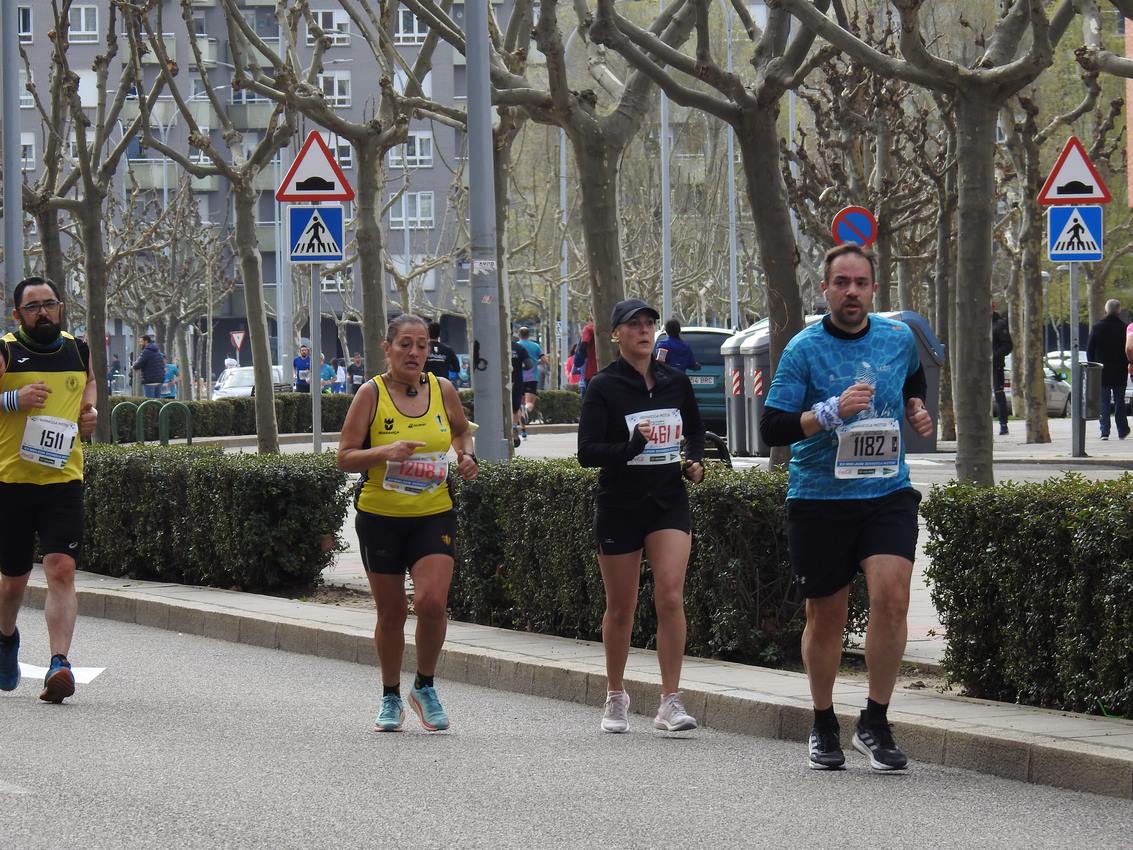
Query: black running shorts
[[829, 538], [516, 395], [621, 527], [393, 544], [51, 512]]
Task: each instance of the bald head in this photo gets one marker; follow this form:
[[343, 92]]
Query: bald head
[[1112, 307]]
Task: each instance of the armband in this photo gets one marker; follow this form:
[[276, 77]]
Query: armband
[[827, 413], [10, 401]]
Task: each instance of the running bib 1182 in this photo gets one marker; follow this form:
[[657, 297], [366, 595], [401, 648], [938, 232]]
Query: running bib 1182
[[417, 474], [870, 448], [48, 440], [664, 445]]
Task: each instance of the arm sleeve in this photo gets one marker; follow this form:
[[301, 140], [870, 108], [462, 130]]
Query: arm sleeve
[[693, 425], [593, 426], [780, 427], [916, 385], [1092, 347]]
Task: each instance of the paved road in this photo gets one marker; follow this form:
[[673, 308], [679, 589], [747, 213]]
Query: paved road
[[191, 743]]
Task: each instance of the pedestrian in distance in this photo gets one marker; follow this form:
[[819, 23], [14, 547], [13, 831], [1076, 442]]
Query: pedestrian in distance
[[47, 395], [397, 433], [674, 351], [442, 360], [326, 375], [151, 364], [842, 387], [586, 357], [170, 380], [1001, 346], [634, 414], [530, 376], [301, 370], [1106, 345], [339, 375], [569, 374], [355, 373], [231, 362], [520, 361]]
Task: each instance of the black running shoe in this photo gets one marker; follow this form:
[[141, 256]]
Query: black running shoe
[[876, 741], [825, 749]]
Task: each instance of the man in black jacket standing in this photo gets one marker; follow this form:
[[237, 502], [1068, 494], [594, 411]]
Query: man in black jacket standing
[[1107, 346], [151, 363]]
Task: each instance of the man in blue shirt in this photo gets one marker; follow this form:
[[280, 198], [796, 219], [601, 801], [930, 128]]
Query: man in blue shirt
[[674, 351], [530, 376], [840, 392], [301, 370]]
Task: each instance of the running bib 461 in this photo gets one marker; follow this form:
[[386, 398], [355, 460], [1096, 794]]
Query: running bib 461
[[48, 440], [664, 444], [870, 448], [417, 474]]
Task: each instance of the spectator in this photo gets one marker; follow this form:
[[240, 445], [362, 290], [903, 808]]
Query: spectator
[[441, 360], [1001, 346], [151, 363], [572, 377], [1106, 345], [171, 380], [356, 373], [301, 370], [674, 351], [231, 362], [114, 370], [586, 357], [340, 375], [326, 374]]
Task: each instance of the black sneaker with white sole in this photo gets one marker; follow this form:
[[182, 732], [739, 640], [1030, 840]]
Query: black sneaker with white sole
[[826, 749], [876, 741]]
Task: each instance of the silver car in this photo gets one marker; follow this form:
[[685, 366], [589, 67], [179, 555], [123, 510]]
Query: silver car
[[239, 382], [1057, 390]]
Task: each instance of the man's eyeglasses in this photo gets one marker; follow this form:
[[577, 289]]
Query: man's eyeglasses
[[40, 306]]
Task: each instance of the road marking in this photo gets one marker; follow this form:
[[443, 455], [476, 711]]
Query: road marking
[[83, 675], [9, 788]]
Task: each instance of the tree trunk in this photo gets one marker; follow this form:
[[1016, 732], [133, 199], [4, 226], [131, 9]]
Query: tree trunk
[[371, 273], [975, 124], [52, 245], [1029, 347], [251, 272], [884, 244], [185, 385], [94, 266], [501, 177]]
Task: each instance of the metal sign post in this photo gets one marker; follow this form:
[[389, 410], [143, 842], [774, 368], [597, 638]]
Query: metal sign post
[[316, 382], [1077, 424]]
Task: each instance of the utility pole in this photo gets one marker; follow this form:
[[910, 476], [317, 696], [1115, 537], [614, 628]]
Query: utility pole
[[13, 168]]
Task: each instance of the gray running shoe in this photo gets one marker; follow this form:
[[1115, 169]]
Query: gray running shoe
[[615, 718], [671, 715]]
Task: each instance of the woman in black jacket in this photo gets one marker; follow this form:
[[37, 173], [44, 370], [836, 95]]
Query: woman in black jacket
[[633, 416]]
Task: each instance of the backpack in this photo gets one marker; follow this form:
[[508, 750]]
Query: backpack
[[521, 358]]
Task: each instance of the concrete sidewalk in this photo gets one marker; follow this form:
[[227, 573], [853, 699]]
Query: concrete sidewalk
[[1067, 750]]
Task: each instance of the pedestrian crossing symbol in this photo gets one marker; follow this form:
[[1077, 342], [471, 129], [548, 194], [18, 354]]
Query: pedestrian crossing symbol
[[1074, 234], [315, 234]]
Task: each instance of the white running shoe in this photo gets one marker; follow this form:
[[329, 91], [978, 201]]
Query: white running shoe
[[671, 715], [615, 718]]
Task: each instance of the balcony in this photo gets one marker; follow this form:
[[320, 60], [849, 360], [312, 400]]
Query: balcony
[[203, 114], [160, 115], [207, 46], [266, 180], [251, 116], [170, 41], [154, 174]]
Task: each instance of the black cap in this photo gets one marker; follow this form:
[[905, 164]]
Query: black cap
[[626, 310]]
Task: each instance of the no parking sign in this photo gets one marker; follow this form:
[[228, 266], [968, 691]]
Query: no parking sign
[[854, 224]]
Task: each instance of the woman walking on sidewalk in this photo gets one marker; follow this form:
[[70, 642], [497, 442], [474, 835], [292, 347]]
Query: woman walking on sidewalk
[[633, 416], [397, 433]]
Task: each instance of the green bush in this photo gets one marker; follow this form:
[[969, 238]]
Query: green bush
[[555, 406], [1032, 583], [198, 516], [225, 417], [527, 560]]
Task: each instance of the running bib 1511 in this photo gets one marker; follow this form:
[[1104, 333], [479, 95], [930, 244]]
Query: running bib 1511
[[870, 448], [664, 445], [48, 440], [417, 474]]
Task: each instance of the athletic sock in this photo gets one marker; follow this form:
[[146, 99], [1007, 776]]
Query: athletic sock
[[422, 681], [826, 718], [9, 638], [875, 712], [391, 689]]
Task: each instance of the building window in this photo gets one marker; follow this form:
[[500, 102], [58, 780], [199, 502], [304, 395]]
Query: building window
[[88, 88], [420, 207], [417, 152], [335, 23], [409, 29], [23, 24], [84, 24], [26, 99], [135, 151], [343, 152], [27, 151], [336, 87]]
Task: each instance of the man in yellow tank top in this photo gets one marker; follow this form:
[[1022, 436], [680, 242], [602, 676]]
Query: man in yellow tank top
[[47, 395], [397, 433]]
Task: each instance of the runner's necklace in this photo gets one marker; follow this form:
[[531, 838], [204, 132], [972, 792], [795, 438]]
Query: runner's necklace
[[410, 390]]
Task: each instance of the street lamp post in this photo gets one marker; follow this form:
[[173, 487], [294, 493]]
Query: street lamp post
[[13, 183]]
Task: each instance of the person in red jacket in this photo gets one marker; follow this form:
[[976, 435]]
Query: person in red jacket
[[586, 358]]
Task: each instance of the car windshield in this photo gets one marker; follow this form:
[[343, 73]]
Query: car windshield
[[238, 378], [706, 347]]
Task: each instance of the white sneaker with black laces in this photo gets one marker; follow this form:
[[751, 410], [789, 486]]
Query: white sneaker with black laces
[[825, 749], [615, 717], [876, 741], [671, 715]]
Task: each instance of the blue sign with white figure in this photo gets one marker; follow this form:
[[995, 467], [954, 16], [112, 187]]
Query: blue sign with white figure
[[1074, 234], [315, 234]]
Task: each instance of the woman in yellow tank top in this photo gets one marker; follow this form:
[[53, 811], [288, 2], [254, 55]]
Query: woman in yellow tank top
[[397, 433]]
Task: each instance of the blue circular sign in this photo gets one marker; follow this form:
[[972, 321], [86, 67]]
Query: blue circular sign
[[854, 224]]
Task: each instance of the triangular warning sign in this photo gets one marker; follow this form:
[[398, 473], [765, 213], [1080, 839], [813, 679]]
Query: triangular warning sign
[[1074, 180], [314, 175], [1075, 237], [316, 239]]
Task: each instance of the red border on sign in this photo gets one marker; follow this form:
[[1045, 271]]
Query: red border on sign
[[842, 214], [345, 194], [1055, 200]]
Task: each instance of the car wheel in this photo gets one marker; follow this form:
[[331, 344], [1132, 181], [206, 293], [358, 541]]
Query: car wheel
[[1065, 408]]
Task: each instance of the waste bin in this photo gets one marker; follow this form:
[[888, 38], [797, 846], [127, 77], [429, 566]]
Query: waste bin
[[1091, 390], [756, 351], [734, 403], [931, 352]]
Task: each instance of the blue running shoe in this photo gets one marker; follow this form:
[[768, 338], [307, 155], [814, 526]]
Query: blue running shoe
[[10, 661], [59, 683], [429, 709], [391, 715]]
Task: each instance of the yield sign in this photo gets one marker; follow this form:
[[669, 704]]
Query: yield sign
[[1074, 180], [314, 175], [237, 338]]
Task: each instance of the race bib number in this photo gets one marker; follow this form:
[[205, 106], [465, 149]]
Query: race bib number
[[48, 441], [870, 448], [664, 445], [358, 379], [421, 473], [304, 376]]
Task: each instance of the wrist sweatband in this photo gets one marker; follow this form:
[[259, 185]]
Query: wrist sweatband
[[10, 401], [827, 413]]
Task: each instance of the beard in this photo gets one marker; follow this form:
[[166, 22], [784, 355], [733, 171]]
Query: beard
[[44, 331]]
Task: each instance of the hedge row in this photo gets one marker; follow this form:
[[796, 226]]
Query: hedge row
[[198, 516], [527, 561], [1032, 582], [228, 417], [554, 407]]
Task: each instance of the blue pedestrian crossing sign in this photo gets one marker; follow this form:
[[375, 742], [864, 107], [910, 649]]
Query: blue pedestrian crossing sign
[[315, 234], [1074, 234]]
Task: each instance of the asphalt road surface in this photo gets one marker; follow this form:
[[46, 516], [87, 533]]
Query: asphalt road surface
[[185, 742]]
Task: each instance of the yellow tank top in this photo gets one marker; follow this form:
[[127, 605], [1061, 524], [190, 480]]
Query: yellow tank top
[[64, 370], [417, 486]]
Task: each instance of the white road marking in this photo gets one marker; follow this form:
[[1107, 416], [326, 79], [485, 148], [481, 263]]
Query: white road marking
[[83, 675]]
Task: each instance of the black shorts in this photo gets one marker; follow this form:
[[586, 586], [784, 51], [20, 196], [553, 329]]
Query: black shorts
[[393, 544], [621, 527], [53, 512], [829, 538], [531, 387]]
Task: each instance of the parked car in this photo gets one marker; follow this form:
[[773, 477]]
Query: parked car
[[1057, 390], [1060, 362], [708, 382], [239, 382]]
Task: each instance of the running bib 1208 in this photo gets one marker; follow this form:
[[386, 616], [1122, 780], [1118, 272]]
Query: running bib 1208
[[664, 445], [870, 448], [48, 440], [417, 474]]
